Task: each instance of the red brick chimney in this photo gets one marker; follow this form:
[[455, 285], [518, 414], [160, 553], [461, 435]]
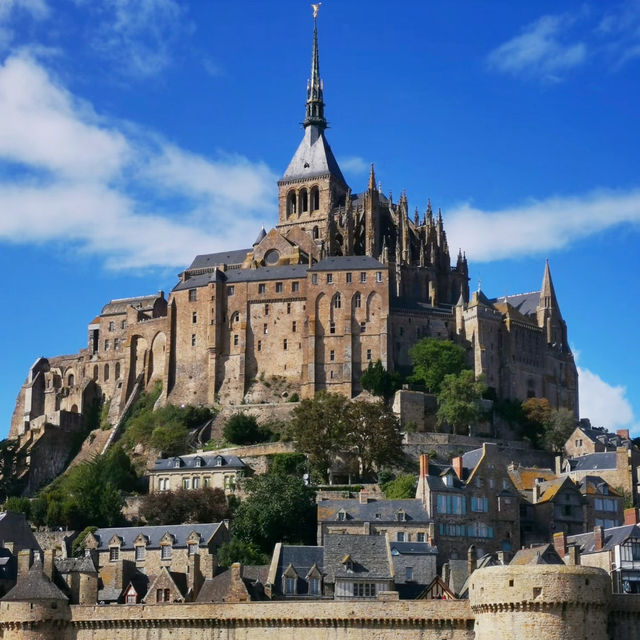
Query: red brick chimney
[[623, 433], [424, 465], [598, 538], [560, 543], [456, 463], [631, 516]]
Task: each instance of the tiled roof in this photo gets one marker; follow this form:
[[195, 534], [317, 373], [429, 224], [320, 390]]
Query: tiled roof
[[120, 306], [594, 461], [372, 511], [525, 303], [543, 554], [370, 556], [285, 272], [524, 478], [412, 548], [312, 158], [83, 564], [207, 461], [14, 528], [206, 260], [180, 533], [344, 263]]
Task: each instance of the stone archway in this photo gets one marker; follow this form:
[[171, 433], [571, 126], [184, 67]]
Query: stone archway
[[157, 357]]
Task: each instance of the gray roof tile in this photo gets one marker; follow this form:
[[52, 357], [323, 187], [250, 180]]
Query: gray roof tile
[[154, 534], [344, 263], [370, 556], [207, 461], [34, 586], [373, 510]]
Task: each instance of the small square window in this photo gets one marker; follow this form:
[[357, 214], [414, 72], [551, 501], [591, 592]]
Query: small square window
[[294, 326], [348, 277], [314, 278], [236, 339], [288, 307], [262, 288], [295, 287], [259, 345], [329, 278], [265, 329], [368, 354], [114, 554], [378, 276], [363, 276], [266, 309], [193, 339], [231, 290], [332, 355], [363, 327], [194, 317], [284, 344], [332, 327], [193, 295], [278, 287], [107, 345]]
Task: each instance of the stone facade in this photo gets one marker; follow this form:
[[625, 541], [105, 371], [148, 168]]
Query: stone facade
[[344, 279]]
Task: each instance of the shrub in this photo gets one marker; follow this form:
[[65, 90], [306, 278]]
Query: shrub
[[243, 429]]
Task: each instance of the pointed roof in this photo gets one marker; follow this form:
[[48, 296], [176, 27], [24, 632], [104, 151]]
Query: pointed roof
[[372, 179], [34, 585], [261, 235], [547, 292], [313, 158], [315, 106]]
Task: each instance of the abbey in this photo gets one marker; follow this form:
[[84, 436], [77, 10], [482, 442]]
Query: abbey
[[343, 279]]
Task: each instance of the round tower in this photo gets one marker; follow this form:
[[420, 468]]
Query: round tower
[[554, 602]]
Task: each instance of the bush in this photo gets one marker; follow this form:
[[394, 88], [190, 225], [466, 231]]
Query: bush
[[401, 488], [294, 397], [380, 382], [238, 551], [18, 505], [243, 429], [178, 507], [288, 464], [77, 548]]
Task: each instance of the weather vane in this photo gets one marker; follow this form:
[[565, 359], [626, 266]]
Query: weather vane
[[316, 7]]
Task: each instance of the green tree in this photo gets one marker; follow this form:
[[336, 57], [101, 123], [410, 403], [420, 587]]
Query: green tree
[[318, 428], [288, 464], [238, 551], [177, 507], [401, 488], [380, 382], [170, 438], [10, 462], [277, 509], [459, 400], [18, 505], [558, 428], [244, 429], [373, 432], [77, 548], [434, 359]]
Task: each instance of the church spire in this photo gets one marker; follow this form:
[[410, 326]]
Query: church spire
[[547, 292], [315, 105]]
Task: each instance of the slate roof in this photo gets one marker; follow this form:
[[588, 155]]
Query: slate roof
[[370, 556], [34, 586], [470, 459], [525, 303], [154, 534], [207, 461], [15, 528], [436, 479], [612, 537], [595, 485], [542, 554], [119, 306], [372, 511], [312, 158], [344, 263], [594, 461], [206, 260], [83, 564], [217, 588], [412, 548]]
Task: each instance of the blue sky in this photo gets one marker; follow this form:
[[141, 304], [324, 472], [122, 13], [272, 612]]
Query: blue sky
[[135, 134]]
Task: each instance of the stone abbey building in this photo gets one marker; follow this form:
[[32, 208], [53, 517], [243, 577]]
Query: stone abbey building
[[343, 279]]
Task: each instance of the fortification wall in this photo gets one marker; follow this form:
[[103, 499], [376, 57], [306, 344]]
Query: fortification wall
[[541, 601]]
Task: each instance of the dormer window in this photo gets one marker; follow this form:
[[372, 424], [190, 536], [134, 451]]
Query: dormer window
[[166, 551], [198, 462], [219, 461], [401, 516], [448, 480], [176, 463], [114, 554], [342, 516], [347, 563]]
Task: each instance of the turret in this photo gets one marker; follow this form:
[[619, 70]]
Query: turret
[[548, 313]]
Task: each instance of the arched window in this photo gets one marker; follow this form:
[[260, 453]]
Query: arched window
[[106, 371], [70, 380], [357, 301], [315, 233], [315, 199], [337, 301], [304, 201], [95, 372], [117, 371], [291, 203]]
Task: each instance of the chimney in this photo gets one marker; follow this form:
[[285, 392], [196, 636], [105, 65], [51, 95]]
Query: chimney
[[472, 561], [537, 493], [367, 528], [25, 558], [598, 538], [456, 463], [560, 543], [558, 460], [363, 497], [237, 591], [573, 552], [47, 564], [623, 433], [194, 575], [424, 465], [631, 516]]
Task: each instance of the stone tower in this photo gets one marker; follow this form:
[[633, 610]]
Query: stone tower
[[312, 185]]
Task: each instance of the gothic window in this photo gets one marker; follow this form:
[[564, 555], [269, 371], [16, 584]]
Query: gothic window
[[106, 372], [315, 199], [357, 301], [304, 201], [117, 371], [315, 233], [71, 380], [95, 372], [337, 301], [291, 203]]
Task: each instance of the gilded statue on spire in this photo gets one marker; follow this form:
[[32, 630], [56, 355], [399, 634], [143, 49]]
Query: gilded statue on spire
[[316, 8]]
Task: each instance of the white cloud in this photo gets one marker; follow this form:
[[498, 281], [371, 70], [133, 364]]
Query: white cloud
[[539, 50], [604, 404], [353, 164], [139, 36], [113, 189], [539, 225]]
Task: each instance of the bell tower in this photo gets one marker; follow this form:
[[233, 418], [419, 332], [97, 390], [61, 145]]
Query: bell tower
[[312, 186]]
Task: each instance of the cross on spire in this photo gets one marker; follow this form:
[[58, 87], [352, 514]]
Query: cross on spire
[[315, 106]]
